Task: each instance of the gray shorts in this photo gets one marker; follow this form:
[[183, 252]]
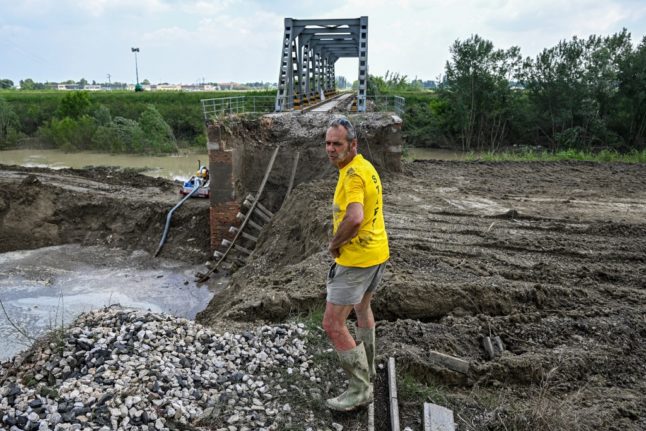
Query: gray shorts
[[346, 285]]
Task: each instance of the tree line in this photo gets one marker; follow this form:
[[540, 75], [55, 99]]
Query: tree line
[[78, 124], [587, 94], [80, 120]]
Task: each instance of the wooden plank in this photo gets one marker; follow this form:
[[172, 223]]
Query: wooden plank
[[392, 391], [450, 362], [293, 175], [438, 418], [203, 277]]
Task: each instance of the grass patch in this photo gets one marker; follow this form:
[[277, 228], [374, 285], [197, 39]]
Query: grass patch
[[410, 390], [530, 155], [313, 320]]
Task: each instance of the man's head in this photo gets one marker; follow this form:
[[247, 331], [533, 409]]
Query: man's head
[[340, 142]]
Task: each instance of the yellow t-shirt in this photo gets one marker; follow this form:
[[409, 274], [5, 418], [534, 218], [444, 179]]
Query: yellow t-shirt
[[359, 182]]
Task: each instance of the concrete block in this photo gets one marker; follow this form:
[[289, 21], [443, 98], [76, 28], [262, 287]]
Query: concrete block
[[450, 362], [438, 418]]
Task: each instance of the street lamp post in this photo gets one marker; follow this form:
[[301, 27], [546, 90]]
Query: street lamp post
[[137, 87]]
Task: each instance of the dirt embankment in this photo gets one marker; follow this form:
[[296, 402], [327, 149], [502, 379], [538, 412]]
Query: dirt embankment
[[548, 256], [113, 207]]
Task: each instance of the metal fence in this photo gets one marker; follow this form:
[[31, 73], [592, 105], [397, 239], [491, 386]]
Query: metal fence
[[236, 105], [386, 104], [263, 104]]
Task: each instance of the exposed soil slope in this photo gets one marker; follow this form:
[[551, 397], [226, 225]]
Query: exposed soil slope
[[548, 256], [43, 207], [551, 257]]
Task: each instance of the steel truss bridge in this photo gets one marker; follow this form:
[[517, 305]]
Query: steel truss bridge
[[309, 51]]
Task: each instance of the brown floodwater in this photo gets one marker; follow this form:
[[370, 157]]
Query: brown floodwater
[[44, 288], [173, 167]]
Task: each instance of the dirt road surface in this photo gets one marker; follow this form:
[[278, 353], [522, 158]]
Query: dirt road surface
[[550, 257]]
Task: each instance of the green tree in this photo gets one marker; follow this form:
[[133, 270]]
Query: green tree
[[121, 135], [74, 104], [631, 113], [30, 84], [6, 83], [478, 92], [27, 84], [102, 115], [573, 90], [159, 135], [72, 134], [8, 122]]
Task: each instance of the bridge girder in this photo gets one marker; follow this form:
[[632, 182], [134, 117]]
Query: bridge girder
[[310, 49]]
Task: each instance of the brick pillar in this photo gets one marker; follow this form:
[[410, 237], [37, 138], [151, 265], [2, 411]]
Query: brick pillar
[[223, 205]]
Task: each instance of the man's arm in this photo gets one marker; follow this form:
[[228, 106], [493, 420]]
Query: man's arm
[[348, 228]]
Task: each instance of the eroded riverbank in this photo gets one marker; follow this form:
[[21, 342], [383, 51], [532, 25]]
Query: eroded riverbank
[[547, 256]]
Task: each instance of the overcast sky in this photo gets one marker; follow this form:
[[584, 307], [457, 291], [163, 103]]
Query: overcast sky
[[239, 40]]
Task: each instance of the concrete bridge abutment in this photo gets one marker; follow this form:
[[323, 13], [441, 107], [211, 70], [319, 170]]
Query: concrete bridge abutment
[[240, 147]]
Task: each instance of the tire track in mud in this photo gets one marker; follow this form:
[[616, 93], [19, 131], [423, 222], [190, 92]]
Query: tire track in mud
[[480, 250]]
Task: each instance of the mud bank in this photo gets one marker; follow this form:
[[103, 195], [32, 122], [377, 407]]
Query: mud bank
[[101, 206], [548, 256], [253, 140]]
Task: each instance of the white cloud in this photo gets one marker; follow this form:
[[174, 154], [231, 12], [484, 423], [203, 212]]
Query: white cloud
[[99, 7], [206, 8], [240, 39]]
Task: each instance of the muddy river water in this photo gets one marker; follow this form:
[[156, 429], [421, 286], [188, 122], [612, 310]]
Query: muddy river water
[[41, 288], [176, 167]]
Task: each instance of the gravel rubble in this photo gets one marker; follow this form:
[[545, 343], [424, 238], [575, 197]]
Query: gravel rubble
[[127, 369]]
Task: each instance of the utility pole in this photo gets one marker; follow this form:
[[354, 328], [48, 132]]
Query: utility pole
[[138, 87]]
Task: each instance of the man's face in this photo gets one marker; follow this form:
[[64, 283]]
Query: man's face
[[339, 150]]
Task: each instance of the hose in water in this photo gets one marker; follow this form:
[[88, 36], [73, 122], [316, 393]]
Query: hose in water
[[198, 185]]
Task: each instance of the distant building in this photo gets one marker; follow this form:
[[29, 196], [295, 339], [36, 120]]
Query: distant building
[[68, 87], [166, 87]]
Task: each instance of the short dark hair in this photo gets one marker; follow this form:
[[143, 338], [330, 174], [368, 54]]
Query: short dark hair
[[346, 124]]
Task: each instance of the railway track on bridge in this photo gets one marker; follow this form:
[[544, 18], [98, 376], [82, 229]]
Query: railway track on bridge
[[331, 104]]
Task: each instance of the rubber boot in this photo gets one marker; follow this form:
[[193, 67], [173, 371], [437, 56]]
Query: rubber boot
[[359, 392], [367, 337]]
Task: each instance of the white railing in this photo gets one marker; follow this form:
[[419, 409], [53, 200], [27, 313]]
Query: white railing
[[386, 104], [236, 105], [263, 104]]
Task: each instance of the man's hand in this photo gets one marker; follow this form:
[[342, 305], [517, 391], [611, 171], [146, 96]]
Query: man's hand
[[334, 252], [348, 228]]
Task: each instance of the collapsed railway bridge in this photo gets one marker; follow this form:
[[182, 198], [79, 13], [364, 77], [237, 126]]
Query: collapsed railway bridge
[[261, 157]]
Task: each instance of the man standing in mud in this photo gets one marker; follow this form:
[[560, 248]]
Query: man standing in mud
[[360, 250]]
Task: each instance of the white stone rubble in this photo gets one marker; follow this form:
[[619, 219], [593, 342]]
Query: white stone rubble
[[126, 369]]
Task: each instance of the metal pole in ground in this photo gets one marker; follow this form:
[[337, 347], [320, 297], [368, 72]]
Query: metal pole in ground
[[392, 391]]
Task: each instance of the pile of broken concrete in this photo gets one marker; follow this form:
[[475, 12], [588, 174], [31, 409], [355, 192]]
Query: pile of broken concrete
[[118, 368]]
